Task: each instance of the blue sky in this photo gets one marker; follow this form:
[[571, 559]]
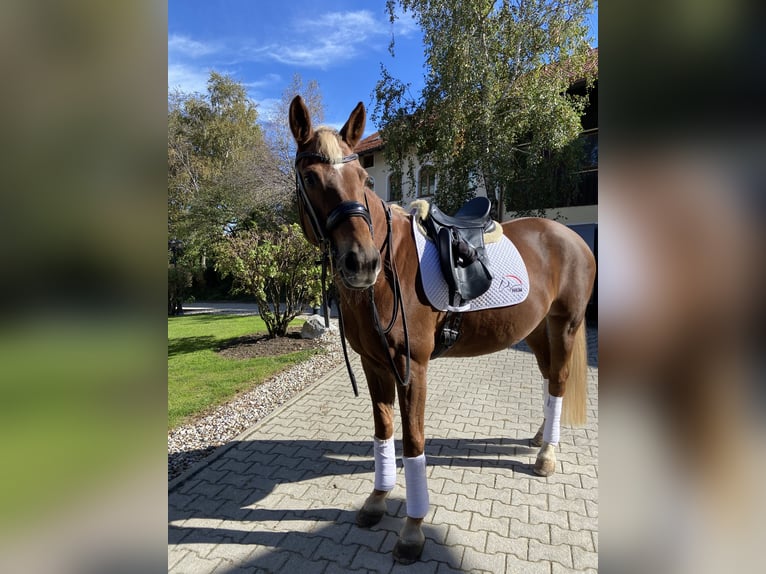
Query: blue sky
[[339, 43]]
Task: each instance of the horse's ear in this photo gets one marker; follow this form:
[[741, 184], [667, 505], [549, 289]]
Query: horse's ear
[[300, 121], [352, 130]]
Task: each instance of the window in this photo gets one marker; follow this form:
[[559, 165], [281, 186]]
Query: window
[[590, 149], [368, 161], [394, 188], [427, 181]]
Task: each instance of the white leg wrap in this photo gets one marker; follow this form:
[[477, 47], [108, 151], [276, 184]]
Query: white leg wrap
[[385, 464], [417, 488], [552, 409]]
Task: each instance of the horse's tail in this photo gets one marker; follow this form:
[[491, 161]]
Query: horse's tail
[[576, 394]]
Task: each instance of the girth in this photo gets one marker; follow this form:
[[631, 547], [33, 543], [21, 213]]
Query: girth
[[460, 243]]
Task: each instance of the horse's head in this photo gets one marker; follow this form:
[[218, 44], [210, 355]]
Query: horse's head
[[331, 197]]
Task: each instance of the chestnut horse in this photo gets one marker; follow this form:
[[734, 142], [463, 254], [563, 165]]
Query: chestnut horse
[[375, 270]]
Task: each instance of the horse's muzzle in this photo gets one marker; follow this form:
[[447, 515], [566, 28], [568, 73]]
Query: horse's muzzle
[[359, 270]]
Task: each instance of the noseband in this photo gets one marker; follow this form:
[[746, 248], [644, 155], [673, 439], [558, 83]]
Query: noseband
[[343, 211]]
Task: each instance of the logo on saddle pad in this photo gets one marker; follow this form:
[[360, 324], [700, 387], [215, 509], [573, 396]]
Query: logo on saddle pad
[[510, 281]]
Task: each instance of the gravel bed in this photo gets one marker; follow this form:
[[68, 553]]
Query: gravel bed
[[193, 442]]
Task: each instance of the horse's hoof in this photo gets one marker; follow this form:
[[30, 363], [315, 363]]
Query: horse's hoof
[[372, 510], [409, 547], [408, 552], [544, 467], [367, 518]]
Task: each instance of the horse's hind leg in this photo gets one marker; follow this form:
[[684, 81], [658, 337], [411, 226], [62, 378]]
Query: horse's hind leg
[[561, 336], [538, 342], [382, 393]]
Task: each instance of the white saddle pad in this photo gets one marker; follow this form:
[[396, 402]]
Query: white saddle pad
[[510, 282]]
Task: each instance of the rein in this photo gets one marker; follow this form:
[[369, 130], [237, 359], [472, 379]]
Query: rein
[[390, 264], [343, 211]]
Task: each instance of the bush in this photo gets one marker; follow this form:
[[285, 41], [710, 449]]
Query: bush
[[277, 268]]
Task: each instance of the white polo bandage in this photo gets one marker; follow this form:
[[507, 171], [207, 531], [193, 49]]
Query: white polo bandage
[[417, 487], [552, 410], [385, 464]]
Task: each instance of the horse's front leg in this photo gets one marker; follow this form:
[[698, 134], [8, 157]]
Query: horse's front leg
[[412, 401], [382, 392]]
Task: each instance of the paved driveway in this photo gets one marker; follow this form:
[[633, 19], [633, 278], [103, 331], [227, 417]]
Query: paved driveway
[[282, 496]]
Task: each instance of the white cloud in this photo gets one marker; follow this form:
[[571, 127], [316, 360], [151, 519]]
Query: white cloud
[[187, 79], [185, 46], [329, 39], [267, 81], [324, 41], [405, 23], [268, 109]]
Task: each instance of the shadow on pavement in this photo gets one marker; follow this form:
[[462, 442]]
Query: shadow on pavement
[[232, 492]]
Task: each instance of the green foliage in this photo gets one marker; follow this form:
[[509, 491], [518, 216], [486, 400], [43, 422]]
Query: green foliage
[[496, 79], [179, 283], [199, 377], [545, 184], [218, 165], [277, 268]]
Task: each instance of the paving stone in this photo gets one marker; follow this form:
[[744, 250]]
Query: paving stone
[[539, 532], [518, 546], [560, 553], [581, 538], [469, 538], [372, 538], [469, 504], [537, 516], [195, 564], [584, 559], [500, 525], [518, 566], [371, 561], [474, 561]]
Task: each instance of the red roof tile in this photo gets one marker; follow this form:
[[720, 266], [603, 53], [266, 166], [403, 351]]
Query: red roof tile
[[369, 144]]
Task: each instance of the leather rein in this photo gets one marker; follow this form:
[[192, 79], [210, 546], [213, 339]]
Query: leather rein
[[343, 211]]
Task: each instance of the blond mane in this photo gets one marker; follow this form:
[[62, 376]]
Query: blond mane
[[328, 143]]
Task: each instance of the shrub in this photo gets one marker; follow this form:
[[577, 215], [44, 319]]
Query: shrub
[[278, 268]]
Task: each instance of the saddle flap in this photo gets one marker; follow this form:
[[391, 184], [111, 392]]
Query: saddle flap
[[446, 257], [462, 255]]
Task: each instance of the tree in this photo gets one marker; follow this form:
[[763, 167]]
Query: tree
[[218, 165], [277, 267], [495, 104]]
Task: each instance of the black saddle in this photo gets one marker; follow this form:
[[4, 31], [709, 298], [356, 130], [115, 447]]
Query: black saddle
[[460, 242]]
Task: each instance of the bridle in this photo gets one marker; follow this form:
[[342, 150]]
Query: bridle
[[343, 211]]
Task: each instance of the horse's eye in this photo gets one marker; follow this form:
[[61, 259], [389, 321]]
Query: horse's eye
[[310, 179]]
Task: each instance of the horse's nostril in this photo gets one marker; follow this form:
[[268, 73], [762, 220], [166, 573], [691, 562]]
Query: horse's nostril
[[351, 262]]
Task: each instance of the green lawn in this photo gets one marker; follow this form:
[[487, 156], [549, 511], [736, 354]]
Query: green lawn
[[199, 378]]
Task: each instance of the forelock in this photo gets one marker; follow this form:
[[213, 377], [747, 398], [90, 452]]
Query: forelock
[[328, 143]]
